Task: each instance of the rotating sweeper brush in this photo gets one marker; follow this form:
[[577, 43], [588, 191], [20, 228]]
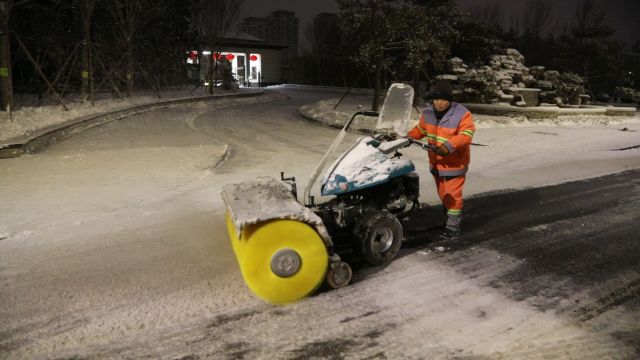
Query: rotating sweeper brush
[[286, 249], [281, 245]]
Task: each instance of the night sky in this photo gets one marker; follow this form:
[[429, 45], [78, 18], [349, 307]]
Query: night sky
[[622, 15]]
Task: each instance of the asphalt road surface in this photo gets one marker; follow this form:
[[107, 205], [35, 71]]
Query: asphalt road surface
[[113, 245], [545, 273]]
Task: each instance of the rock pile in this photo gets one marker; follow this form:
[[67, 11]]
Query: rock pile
[[506, 79]]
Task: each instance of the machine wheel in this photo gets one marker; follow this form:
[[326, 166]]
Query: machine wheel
[[339, 275], [378, 237], [281, 260]]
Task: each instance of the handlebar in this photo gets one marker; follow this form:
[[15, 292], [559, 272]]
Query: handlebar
[[423, 145]]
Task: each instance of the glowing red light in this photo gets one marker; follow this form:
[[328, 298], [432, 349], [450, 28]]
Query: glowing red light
[[253, 58], [230, 57]]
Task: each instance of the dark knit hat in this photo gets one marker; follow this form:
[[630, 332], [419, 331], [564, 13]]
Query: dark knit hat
[[441, 89]]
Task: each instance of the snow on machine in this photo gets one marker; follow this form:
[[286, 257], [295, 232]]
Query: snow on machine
[[286, 249]]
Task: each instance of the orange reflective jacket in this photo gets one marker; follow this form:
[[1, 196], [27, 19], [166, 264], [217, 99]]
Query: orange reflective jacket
[[455, 131]]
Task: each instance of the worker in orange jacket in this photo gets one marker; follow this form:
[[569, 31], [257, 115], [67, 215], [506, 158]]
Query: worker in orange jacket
[[448, 127]]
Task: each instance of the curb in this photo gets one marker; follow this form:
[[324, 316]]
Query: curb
[[222, 159], [361, 91], [542, 112], [362, 124], [538, 113], [51, 135]]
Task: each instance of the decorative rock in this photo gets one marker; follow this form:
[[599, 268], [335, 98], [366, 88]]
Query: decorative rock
[[447, 77], [485, 69], [509, 64], [512, 52], [505, 78], [505, 84], [502, 75], [529, 80], [516, 76], [584, 99], [544, 85], [515, 55], [456, 62], [551, 75], [494, 62], [519, 60], [537, 71]]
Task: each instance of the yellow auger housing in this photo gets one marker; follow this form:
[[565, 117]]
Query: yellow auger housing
[[276, 240]]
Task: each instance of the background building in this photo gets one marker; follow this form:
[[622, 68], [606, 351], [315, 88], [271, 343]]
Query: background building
[[255, 26], [278, 28], [253, 62]]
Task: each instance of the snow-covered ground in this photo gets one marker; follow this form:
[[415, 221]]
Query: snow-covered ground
[[118, 233], [31, 115]]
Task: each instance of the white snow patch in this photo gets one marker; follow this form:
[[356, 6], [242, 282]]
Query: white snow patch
[[325, 109], [265, 199], [491, 121], [540, 227]]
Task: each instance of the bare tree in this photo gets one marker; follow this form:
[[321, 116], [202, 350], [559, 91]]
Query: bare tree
[[593, 52], [312, 39], [130, 16], [536, 18], [589, 20], [368, 24], [6, 78], [325, 47], [86, 11], [6, 86], [212, 20], [488, 12]]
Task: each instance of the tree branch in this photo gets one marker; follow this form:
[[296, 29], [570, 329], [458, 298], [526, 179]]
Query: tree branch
[[21, 2]]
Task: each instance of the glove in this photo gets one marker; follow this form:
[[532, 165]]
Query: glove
[[442, 150]]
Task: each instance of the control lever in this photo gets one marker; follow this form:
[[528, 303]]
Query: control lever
[[423, 145]]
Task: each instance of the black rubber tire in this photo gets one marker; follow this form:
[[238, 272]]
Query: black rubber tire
[[378, 237]]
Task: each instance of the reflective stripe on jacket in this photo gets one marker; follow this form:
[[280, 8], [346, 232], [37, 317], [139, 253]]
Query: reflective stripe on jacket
[[455, 131]]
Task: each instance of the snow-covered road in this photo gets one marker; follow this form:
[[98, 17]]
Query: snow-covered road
[[118, 233]]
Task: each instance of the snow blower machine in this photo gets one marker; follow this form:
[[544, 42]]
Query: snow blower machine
[[287, 249]]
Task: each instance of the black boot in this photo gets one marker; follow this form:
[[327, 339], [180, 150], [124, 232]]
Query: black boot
[[452, 227], [449, 234]]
